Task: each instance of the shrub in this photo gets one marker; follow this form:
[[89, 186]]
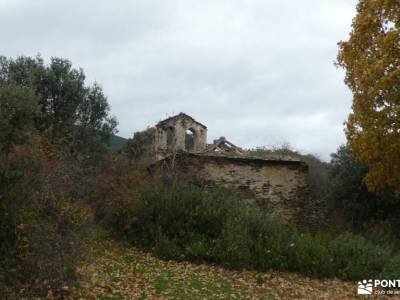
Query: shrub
[[391, 269], [309, 254], [233, 247], [41, 224], [213, 225], [189, 217], [113, 192], [52, 130], [356, 258], [347, 194]]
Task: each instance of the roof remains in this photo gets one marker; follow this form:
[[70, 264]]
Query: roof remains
[[219, 148], [222, 146], [176, 117]]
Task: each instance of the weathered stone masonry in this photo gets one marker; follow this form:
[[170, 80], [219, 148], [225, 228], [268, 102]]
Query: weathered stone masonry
[[179, 133], [278, 186]]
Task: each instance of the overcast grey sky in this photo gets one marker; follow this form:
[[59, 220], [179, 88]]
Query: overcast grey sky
[[259, 72]]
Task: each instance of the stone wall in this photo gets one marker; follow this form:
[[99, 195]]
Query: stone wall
[[278, 186], [171, 135], [167, 137]]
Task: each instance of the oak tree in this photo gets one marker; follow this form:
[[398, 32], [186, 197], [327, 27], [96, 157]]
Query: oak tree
[[371, 59], [18, 108], [70, 110]]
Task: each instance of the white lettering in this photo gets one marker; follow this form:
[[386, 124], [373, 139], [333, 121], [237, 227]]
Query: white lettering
[[392, 283], [387, 283]]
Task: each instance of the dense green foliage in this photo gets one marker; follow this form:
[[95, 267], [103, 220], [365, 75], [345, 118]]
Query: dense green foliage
[[18, 108], [42, 221], [186, 222], [342, 193], [49, 124], [348, 194], [70, 110]]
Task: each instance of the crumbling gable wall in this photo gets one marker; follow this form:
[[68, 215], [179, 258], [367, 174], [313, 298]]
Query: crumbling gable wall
[[179, 133]]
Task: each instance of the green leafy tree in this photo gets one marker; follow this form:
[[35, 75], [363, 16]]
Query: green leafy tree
[[18, 107], [348, 192], [94, 125], [371, 58], [41, 221], [70, 110]]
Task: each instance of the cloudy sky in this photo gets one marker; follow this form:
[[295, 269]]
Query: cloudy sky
[[259, 72]]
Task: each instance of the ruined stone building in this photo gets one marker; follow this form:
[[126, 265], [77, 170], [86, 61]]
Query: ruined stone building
[[279, 186], [179, 133]]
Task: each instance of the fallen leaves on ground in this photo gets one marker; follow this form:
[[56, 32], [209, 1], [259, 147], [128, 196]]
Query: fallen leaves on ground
[[121, 272]]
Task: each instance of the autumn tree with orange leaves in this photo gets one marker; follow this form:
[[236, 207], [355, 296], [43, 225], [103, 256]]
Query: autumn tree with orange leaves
[[371, 58]]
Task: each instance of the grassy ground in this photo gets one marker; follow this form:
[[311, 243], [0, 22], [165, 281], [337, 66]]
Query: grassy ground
[[120, 272]]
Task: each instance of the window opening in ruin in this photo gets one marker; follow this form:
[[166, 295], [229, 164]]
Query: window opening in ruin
[[170, 139], [189, 140]]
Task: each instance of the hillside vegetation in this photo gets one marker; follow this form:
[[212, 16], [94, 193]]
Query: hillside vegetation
[[60, 186]]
